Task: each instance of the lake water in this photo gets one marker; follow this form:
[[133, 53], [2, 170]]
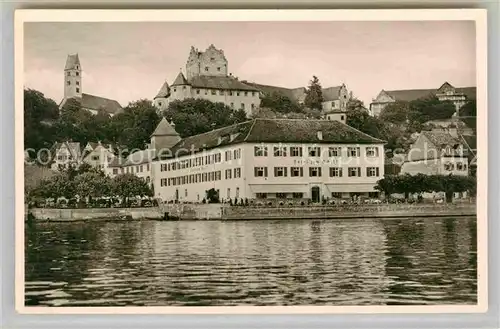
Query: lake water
[[287, 262]]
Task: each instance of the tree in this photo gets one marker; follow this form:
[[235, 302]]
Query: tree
[[40, 113], [398, 112], [196, 116], [469, 109], [278, 102], [92, 184], [431, 108], [212, 196], [129, 185], [314, 95]]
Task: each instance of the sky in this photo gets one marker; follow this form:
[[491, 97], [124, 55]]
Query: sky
[[131, 61]]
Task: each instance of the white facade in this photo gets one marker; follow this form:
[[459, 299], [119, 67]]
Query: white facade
[[239, 171]]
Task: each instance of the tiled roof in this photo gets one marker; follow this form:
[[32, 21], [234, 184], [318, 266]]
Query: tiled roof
[[117, 162], [331, 93], [72, 61], [219, 82], [275, 131], [164, 129], [440, 138], [410, 95], [164, 91], [294, 94], [97, 103], [180, 80]]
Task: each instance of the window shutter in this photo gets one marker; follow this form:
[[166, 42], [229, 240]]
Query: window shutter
[[301, 172], [359, 172], [367, 171], [319, 172], [358, 152], [285, 171], [310, 172], [265, 171], [275, 171], [255, 171], [378, 171], [300, 151]]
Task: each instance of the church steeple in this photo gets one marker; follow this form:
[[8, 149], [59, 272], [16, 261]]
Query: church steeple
[[72, 77]]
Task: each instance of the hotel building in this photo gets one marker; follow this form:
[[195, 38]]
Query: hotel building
[[270, 159]]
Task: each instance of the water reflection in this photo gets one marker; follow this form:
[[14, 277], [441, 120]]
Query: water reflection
[[320, 262]]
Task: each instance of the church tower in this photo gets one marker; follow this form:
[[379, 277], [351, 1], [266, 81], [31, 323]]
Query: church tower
[[72, 77]]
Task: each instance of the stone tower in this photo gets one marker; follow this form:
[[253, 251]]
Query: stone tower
[[72, 77], [210, 62], [164, 137]]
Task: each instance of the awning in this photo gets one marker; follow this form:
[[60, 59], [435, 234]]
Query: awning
[[337, 188], [279, 188]]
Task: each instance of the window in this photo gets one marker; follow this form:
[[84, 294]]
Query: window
[[296, 172], [342, 117], [335, 172], [296, 151], [186, 193], [261, 195], [314, 151], [230, 93], [206, 68], [354, 172], [206, 91], [77, 83], [184, 87], [372, 152], [175, 89], [460, 166], [252, 106], [69, 74], [228, 173], [298, 195], [260, 151], [115, 171], [221, 92], [218, 175], [237, 93], [314, 172], [372, 172], [68, 83], [159, 104], [280, 151], [237, 172], [197, 91], [237, 192], [237, 154], [242, 106], [228, 193], [280, 172], [337, 195], [228, 155], [449, 166], [214, 92], [260, 171], [353, 151], [95, 157], [77, 73], [232, 105], [77, 90], [246, 93], [212, 59], [218, 157], [334, 151], [131, 170], [218, 69], [281, 195]]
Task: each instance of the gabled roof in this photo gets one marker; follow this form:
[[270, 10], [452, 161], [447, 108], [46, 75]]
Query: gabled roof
[[219, 82], [410, 95], [164, 91], [139, 157], [441, 138], [98, 103], [164, 129], [331, 93], [73, 147], [275, 131], [117, 162], [72, 61], [180, 80], [292, 93]]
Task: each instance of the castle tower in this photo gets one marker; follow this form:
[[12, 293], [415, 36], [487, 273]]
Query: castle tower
[[72, 77], [164, 137], [210, 62]]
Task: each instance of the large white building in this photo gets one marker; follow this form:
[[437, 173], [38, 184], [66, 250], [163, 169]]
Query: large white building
[[270, 159]]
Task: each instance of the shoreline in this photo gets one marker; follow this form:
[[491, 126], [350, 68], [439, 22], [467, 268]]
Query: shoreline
[[198, 212]]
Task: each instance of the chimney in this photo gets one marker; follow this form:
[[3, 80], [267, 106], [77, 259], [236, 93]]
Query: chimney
[[320, 135]]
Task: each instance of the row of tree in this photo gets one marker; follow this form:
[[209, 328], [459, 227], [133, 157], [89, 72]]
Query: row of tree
[[417, 184], [88, 184]]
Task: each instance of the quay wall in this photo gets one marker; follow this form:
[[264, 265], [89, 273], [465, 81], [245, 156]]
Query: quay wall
[[224, 212]]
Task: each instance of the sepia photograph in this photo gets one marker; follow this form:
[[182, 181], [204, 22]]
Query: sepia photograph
[[197, 160]]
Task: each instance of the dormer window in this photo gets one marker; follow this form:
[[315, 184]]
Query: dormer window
[[77, 67], [77, 73]]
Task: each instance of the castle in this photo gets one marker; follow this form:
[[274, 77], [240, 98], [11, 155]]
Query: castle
[[73, 89], [207, 77]]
